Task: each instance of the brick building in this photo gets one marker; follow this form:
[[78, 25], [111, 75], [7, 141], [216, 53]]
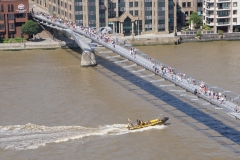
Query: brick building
[[13, 13]]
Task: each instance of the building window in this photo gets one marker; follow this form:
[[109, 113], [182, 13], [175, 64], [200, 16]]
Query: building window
[[1, 17], [11, 17], [65, 5], [234, 4], [234, 11], [70, 15], [10, 35], [136, 13], [20, 15], [131, 12], [61, 3], [70, 7], [191, 12], [234, 19], [121, 4], [184, 4], [2, 27], [135, 4], [11, 26], [130, 4], [2, 8], [161, 21], [199, 4], [9, 8], [189, 4], [186, 13]]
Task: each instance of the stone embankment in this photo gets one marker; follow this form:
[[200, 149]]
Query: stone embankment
[[38, 45], [154, 40], [209, 37]]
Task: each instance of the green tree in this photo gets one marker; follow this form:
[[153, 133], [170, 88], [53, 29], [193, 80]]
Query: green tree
[[30, 28], [195, 19]]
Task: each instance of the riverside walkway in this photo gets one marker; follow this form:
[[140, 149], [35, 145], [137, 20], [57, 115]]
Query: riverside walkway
[[223, 99]]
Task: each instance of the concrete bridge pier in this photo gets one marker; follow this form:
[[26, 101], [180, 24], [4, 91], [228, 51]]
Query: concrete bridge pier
[[88, 59], [88, 56]]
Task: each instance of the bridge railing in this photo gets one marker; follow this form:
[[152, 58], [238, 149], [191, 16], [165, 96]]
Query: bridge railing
[[122, 50], [230, 96]]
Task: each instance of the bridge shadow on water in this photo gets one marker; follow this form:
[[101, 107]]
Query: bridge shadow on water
[[225, 130]]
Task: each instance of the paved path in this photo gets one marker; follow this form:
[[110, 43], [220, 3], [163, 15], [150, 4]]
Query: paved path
[[144, 60]]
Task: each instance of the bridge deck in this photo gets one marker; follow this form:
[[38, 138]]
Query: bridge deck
[[145, 62]]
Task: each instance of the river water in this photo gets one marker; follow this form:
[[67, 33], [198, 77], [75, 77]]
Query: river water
[[51, 108]]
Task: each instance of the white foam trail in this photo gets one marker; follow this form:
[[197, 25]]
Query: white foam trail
[[31, 136]]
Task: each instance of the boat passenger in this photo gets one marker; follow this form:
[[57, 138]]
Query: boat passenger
[[142, 123], [138, 122], [130, 122]]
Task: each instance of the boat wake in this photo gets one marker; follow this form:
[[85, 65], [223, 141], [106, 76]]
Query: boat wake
[[31, 136]]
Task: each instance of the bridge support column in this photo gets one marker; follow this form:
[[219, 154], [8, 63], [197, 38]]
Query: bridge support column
[[88, 59]]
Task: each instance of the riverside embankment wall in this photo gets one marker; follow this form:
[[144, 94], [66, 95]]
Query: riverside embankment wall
[[210, 37], [153, 40], [37, 45], [181, 39]]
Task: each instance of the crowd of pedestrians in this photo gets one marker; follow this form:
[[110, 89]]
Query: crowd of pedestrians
[[87, 30], [178, 77]]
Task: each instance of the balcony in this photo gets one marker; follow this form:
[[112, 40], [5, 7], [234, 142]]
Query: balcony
[[210, 23], [209, 7], [21, 19], [223, 23], [220, 1], [223, 8], [223, 16], [210, 15]]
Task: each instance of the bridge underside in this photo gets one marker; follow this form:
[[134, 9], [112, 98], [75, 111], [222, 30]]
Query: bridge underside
[[88, 56]]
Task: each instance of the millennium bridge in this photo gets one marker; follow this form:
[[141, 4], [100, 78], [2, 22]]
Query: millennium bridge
[[202, 93]]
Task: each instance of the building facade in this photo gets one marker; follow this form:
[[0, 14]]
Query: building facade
[[13, 13], [126, 17], [185, 9], [222, 14]]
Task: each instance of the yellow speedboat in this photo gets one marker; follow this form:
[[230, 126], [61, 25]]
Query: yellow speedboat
[[141, 124]]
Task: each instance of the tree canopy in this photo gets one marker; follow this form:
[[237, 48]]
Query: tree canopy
[[30, 27], [195, 19]]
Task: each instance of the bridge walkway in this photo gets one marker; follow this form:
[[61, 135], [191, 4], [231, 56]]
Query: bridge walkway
[[146, 62]]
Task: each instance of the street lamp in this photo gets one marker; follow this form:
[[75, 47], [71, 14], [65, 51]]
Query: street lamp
[[138, 26], [22, 36]]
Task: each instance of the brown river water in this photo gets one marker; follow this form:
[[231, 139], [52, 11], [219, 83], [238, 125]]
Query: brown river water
[[52, 108]]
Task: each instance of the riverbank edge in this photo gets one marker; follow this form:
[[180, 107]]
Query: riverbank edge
[[172, 41], [153, 41], [72, 44], [37, 45]]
